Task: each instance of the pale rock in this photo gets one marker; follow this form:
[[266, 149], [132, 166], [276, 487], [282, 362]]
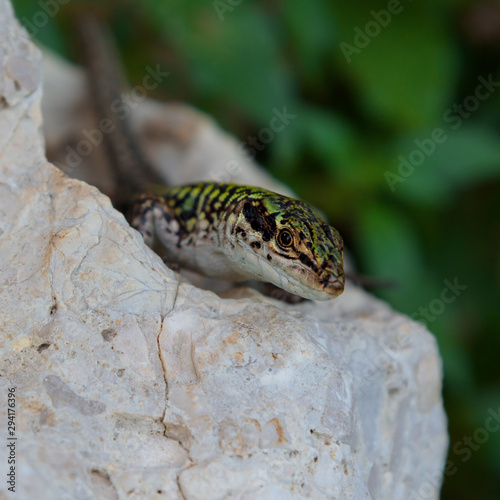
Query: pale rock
[[131, 384]]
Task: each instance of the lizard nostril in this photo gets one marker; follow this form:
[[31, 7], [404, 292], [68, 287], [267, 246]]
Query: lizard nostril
[[336, 284], [333, 277], [333, 283]]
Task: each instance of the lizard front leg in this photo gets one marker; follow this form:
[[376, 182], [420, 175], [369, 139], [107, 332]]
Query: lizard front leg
[[152, 216]]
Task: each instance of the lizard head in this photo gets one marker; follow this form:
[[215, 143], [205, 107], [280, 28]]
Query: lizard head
[[287, 243]]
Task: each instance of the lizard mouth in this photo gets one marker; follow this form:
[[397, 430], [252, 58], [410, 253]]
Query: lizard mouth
[[333, 284], [296, 278], [306, 283]]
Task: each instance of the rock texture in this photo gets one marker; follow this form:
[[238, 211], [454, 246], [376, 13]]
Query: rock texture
[[132, 383]]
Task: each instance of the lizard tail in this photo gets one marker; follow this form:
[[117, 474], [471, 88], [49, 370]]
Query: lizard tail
[[108, 88]]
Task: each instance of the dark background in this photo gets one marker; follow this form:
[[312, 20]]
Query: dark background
[[369, 82]]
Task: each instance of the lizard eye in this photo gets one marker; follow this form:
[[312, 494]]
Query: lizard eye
[[285, 239]]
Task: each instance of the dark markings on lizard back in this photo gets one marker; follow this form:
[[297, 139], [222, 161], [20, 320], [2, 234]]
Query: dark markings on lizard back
[[218, 199], [260, 220], [211, 195]]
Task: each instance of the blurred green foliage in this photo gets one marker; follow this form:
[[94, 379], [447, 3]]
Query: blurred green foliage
[[356, 115]]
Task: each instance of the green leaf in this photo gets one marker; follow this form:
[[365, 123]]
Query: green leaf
[[387, 243], [403, 72], [233, 53], [471, 155], [40, 24], [468, 156], [389, 248], [327, 135], [311, 34], [286, 150]]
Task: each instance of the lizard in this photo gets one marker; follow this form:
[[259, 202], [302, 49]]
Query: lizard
[[237, 232], [226, 231]]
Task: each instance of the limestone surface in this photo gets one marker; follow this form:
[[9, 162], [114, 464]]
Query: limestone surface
[[130, 382]]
